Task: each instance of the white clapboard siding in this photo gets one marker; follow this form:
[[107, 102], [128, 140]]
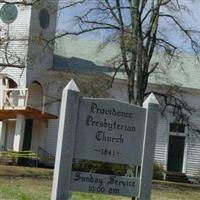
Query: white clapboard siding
[[19, 29], [161, 150], [193, 139], [17, 56], [17, 34], [193, 159], [52, 130], [18, 75], [193, 154]]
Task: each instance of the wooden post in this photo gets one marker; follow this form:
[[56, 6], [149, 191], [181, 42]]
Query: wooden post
[[2, 135], [65, 142], [19, 133], [1, 93], [152, 105]]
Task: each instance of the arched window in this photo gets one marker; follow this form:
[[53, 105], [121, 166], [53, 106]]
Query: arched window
[[9, 83], [36, 95]]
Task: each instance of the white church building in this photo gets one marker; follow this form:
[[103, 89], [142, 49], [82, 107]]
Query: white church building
[[30, 86]]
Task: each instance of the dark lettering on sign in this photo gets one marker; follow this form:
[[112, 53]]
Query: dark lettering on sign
[[103, 190], [105, 184], [114, 181], [110, 126], [110, 111], [113, 191], [101, 137], [96, 189], [107, 152], [88, 179]]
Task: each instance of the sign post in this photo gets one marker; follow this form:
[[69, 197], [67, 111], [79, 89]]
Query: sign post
[[104, 130], [152, 105], [65, 142]]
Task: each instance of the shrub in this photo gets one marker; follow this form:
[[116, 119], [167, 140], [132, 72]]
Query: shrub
[[197, 176], [14, 157], [158, 171], [99, 167]]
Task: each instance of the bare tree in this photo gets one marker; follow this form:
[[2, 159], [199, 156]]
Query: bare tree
[[140, 29], [136, 26]]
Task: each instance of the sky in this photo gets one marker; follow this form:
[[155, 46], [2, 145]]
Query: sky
[[66, 22], [192, 20]]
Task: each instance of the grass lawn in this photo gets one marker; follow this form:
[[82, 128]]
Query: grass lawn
[[19, 183]]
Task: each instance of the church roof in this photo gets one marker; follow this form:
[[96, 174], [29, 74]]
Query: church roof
[[86, 56]]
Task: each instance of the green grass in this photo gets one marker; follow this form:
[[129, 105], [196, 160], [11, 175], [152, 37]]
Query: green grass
[[20, 183], [24, 189], [174, 191]]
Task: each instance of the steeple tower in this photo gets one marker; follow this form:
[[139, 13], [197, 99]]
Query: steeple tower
[[24, 32], [25, 57]]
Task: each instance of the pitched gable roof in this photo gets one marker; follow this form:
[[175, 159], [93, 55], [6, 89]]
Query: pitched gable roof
[[78, 55]]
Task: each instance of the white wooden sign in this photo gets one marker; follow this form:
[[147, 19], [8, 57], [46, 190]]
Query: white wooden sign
[[109, 131]]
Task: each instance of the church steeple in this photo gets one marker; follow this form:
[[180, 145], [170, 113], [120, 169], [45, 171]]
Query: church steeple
[[42, 29], [24, 32]]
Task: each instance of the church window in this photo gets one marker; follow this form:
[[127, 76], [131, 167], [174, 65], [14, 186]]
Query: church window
[[8, 13], [44, 18], [176, 127]]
